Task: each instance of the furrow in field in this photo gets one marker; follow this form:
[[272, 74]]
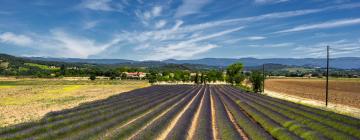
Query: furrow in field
[[51, 127], [107, 124], [172, 124], [195, 121], [329, 128], [203, 129], [226, 130], [213, 116], [274, 128], [84, 128], [238, 129], [250, 127], [57, 117], [149, 129], [119, 131]]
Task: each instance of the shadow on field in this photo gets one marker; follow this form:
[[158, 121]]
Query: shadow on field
[[78, 110]]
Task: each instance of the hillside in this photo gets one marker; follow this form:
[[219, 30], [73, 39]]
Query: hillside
[[339, 63]]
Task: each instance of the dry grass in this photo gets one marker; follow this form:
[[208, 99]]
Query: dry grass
[[341, 91], [30, 99]]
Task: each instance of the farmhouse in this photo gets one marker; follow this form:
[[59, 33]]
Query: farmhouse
[[135, 75]]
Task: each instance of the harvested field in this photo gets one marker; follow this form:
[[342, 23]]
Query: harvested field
[[188, 112], [341, 91], [23, 100]]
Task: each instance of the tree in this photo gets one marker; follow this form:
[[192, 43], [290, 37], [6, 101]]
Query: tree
[[152, 76], [92, 77], [196, 78], [62, 70], [202, 78], [234, 73], [256, 79]]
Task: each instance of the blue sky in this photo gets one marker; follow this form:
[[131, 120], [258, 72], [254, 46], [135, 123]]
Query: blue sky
[[180, 29]]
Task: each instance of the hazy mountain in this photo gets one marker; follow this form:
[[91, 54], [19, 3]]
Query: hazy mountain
[[78, 60], [342, 63]]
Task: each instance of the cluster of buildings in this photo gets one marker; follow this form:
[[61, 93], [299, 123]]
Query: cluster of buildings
[[134, 75]]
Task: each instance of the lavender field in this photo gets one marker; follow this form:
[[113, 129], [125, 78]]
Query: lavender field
[[188, 112]]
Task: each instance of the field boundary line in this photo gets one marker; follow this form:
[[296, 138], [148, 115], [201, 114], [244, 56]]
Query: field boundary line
[[163, 135], [337, 108], [195, 120]]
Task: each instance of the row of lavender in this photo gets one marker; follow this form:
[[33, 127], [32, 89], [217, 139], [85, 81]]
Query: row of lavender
[[90, 119], [286, 120]]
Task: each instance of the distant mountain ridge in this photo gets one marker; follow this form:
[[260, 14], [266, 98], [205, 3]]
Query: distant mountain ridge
[[341, 63]]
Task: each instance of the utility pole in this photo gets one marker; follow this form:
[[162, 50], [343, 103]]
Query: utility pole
[[327, 75], [263, 87]]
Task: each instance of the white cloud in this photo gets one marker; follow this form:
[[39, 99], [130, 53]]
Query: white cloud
[[255, 38], [21, 40], [74, 46], [90, 24], [279, 45], [190, 7], [156, 11], [250, 38], [339, 48], [101, 5], [269, 1], [180, 51], [160, 24], [174, 43], [324, 25], [146, 16]]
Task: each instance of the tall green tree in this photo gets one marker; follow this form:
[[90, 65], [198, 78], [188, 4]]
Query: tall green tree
[[234, 73], [62, 70], [196, 79], [256, 79], [152, 76]]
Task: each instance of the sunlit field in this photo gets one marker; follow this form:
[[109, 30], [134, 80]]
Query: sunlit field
[[24, 100], [344, 91]]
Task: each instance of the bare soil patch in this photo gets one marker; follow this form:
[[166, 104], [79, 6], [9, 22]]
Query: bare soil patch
[[341, 91]]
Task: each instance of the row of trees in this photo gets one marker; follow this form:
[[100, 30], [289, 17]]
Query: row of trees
[[234, 75], [200, 77]]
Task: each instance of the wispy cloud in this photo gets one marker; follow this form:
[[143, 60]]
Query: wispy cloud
[[337, 48], [179, 51], [190, 7], [101, 5], [90, 24], [160, 24], [21, 40], [66, 45], [177, 42], [148, 15], [279, 45], [58, 43], [324, 25], [250, 38], [269, 1]]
